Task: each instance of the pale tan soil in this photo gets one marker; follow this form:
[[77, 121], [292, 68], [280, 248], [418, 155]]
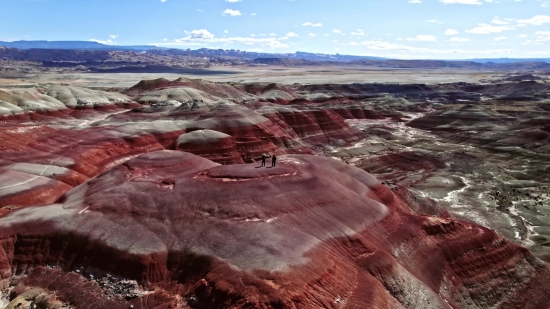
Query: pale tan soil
[[317, 75]]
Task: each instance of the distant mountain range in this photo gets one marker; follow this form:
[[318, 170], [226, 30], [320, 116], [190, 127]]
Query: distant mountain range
[[206, 52], [93, 56], [509, 60], [74, 45]]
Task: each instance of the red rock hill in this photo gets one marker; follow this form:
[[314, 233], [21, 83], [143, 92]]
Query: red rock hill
[[312, 232]]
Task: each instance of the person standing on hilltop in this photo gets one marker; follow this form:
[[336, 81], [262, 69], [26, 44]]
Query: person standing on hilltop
[[273, 161], [264, 156]]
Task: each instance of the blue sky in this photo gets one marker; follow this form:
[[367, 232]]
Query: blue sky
[[412, 29]]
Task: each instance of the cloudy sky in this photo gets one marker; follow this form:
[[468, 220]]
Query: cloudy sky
[[413, 29]]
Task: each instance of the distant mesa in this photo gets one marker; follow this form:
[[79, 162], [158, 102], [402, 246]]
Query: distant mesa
[[522, 77], [284, 61], [72, 45]]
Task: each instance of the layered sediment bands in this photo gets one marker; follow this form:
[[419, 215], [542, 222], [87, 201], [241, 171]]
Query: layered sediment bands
[[254, 134], [184, 90], [405, 167], [19, 188], [152, 84], [311, 232], [89, 191], [67, 116], [357, 111], [213, 145], [14, 103], [118, 135], [368, 89], [521, 87], [72, 96], [317, 127], [179, 94], [41, 163], [468, 117], [87, 152]]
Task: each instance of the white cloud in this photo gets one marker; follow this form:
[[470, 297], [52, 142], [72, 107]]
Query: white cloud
[[423, 38], [204, 37], [431, 21], [415, 1], [451, 32], [253, 14], [232, 1], [380, 45], [500, 38], [460, 1], [201, 34], [460, 40], [311, 34], [312, 24], [542, 36], [498, 21], [231, 12], [292, 34], [106, 42], [535, 21], [109, 41], [337, 31], [486, 28], [359, 32]]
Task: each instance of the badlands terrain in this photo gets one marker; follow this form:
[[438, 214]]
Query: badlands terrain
[[394, 188]]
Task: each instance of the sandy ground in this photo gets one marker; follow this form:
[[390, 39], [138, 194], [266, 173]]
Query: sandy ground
[[317, 75]]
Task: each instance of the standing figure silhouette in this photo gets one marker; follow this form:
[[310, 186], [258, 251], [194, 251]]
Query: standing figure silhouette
[[264, 156], [273, 161]]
